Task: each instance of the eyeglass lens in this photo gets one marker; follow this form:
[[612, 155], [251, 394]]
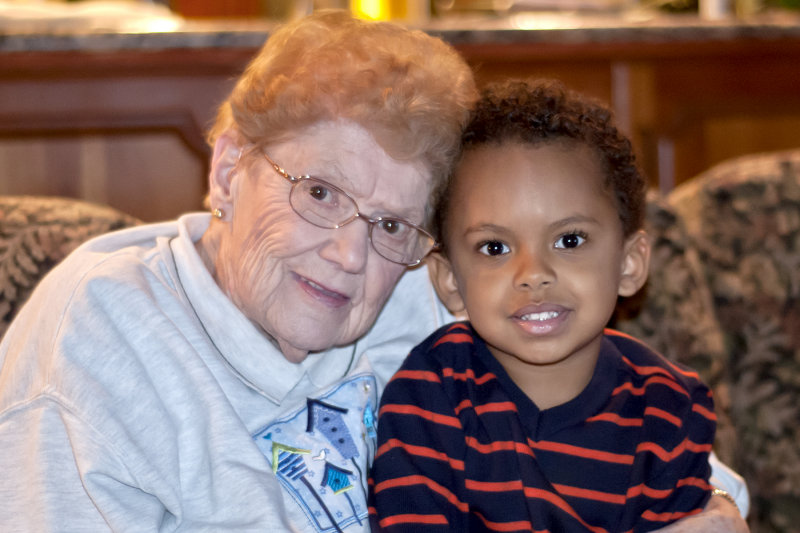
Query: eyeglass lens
[[327, 206]]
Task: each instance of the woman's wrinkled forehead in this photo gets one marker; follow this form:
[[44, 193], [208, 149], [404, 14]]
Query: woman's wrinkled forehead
[[347, 155]]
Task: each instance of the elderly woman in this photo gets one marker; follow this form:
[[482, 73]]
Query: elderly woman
[[222, 372]]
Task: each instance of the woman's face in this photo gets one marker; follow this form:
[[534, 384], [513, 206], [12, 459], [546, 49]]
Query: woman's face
[[311, 288]]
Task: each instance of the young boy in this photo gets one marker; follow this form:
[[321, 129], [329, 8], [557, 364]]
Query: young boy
[[532, 416]]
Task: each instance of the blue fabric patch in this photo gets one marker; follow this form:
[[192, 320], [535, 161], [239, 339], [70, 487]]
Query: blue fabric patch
[[320, 453]]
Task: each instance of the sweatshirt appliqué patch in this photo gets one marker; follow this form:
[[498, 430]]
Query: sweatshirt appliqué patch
[[320, 453]]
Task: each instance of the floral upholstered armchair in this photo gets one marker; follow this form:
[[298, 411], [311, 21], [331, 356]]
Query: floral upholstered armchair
[[724, 297], [36, 233]]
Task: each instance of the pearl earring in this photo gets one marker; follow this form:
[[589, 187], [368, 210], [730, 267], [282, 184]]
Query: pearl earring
[[217, 213]]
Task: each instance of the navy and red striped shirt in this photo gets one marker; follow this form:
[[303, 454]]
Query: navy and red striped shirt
[[462, 448]]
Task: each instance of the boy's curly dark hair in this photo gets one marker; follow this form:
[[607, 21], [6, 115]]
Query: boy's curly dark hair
[[542, 111]]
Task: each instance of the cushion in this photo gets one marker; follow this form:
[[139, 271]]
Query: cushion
[[36, 233]]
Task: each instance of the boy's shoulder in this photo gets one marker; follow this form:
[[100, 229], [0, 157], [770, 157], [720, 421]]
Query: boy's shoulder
[[642, 361], [450, 335], [447, 347], [448, 364]]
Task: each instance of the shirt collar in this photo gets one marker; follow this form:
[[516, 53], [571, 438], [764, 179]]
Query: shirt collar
[[245, 348]]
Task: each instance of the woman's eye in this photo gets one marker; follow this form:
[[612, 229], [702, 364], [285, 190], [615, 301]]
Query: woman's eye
[[570, 240], [394, 227], [494, 248], [319, 193]]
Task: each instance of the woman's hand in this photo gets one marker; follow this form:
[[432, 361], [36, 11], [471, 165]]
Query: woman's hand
[[719, 516]]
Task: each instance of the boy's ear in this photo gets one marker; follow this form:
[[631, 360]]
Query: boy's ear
[[227, 151], [635, 263], [444, 281]]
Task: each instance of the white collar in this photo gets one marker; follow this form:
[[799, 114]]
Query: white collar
[[248, 352]]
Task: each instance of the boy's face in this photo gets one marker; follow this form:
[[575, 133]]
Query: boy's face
[[536, 253]]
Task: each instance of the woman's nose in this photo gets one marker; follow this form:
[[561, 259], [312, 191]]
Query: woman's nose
[[534, 271], [348, 246]]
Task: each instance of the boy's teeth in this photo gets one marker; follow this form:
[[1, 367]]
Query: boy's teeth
[[540, 316]]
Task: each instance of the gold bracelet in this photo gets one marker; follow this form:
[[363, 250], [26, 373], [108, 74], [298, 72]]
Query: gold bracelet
[[724, 494]]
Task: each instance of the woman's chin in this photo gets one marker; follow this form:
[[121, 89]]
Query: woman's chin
[[302, 341], [314, 336], [292, 353]]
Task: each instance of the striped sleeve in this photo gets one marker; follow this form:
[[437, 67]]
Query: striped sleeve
[[671, 470], [419, 468]]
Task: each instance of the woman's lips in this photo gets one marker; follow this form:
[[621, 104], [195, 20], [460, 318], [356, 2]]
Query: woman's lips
[[323, 294], [541, 319]]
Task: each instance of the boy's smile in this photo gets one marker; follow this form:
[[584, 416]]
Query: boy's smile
[[539, 258], [541, 319]]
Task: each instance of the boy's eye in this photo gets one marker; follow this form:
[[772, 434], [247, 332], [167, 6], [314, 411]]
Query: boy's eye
[[494, 248], [570, 240]]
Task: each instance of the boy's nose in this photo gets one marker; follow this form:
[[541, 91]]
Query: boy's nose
[[534, 271]]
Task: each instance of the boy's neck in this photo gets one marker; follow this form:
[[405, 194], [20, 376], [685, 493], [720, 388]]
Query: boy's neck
[[552, 385]]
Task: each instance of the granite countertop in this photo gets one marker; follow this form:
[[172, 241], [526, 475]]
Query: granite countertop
[[162, 30]]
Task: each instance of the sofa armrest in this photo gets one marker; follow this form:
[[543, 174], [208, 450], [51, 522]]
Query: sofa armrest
[[743, 220], [36, 233]]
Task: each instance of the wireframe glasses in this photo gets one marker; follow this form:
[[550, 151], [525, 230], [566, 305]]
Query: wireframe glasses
[[327, 206]]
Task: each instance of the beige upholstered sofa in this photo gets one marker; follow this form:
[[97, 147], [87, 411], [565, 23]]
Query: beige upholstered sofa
[[723, 296]]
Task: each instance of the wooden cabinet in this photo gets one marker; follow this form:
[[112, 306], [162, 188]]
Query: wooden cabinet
[[686, 104], [125, 128], [125, 125]]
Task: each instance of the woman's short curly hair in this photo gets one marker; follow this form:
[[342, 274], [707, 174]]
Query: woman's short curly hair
[[411, 91], [543, 111]]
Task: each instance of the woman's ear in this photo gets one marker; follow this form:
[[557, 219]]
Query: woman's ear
[[444, 282], [635, 263], [227, 151]]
